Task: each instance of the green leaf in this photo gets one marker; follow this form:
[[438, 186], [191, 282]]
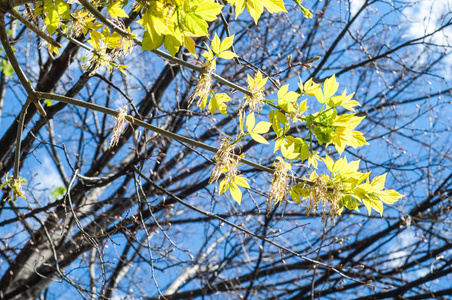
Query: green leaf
[[63, 9], [350, 203], [281, 117], [172, 44], [295, 196], [335, 101], [196, 24], [303, 149], [7, 68], [323, 134], [151, 42], [58, 191]]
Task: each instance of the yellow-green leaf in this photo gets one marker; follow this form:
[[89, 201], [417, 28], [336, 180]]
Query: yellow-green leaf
[[196, 25], [330, 87], [223, 187], [150, 42], [329, 163], [116, 11], [227, 55], [389, 196], [288, 152], [235, 193], [379, 182], [274, 6], [172, 44], [262, 127], [216, 44], [241, 181], [255, 8], [250, 121], [258, 138], [227, 43], [208, 9], [189, 43]]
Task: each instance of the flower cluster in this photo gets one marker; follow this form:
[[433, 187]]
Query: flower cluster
[[202, 88], [225, 161], [15, 184], [256, 87], [279, 187]]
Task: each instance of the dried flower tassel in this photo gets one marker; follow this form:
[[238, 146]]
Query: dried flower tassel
[[120, 126]]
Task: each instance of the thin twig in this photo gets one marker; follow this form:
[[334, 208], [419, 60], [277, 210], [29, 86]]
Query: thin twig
[[209, 214], [158, 130], [122, 93]]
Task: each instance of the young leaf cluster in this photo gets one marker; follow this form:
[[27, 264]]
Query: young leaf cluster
[[178, 23]]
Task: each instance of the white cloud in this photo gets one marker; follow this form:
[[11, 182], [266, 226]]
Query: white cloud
[[399, 250], [425, 18], [355, 5]]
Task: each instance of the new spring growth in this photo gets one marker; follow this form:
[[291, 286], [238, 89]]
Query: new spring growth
[[256, 86], [202, 89], [317, 194], [120, 126], [204, 85], [279, 187], [15, 184], [225, 160]]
